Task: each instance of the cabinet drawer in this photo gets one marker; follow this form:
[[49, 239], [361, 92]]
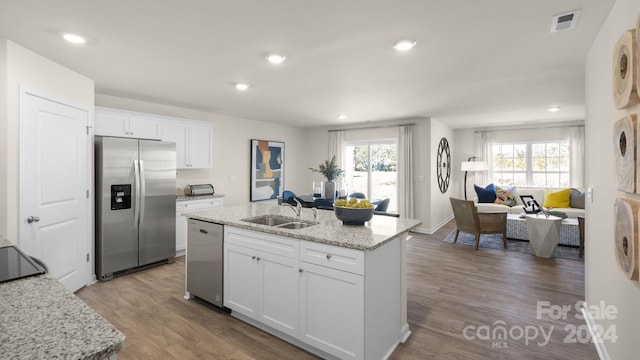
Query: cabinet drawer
[[273, 244], [198, 204], [332, 256]]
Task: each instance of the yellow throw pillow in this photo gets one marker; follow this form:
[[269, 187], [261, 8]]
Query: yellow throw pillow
[[557, 199]]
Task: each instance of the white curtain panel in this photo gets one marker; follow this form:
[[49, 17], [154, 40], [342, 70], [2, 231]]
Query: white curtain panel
[[484, 152], [576, 149], [336, 145], [405, 171]]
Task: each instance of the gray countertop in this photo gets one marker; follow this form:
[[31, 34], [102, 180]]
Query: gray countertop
[[197, 197], [41, 319], [373, 234]]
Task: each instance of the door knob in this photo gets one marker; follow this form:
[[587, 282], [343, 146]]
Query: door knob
[[32, 219]]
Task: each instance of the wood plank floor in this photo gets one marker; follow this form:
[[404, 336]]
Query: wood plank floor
[[451, 287]]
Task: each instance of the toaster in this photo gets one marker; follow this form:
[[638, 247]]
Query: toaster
[[200, 189]]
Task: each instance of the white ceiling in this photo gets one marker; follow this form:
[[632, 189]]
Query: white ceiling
[[476, 63]]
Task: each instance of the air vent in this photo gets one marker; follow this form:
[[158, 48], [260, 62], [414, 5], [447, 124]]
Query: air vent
[[565, 21]]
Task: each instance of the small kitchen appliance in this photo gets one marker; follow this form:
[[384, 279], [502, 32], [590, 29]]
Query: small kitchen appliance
[[200, 189]]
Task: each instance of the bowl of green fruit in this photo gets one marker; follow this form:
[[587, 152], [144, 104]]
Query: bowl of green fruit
[[353, 212]]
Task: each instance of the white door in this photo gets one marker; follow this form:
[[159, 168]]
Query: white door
[[54, 204], [200, 146], [241, 280], [278, 292], [332, 311]]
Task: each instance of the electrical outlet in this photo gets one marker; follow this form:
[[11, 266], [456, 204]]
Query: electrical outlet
[[232, 178]]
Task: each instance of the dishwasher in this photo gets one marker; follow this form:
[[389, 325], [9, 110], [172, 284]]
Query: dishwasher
[[204, 261]]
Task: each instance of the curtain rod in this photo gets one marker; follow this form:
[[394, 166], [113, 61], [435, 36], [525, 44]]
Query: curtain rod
[[530, 128], [373, 127]]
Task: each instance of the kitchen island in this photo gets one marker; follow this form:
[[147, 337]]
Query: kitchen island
[[40, 319], [337, 291]]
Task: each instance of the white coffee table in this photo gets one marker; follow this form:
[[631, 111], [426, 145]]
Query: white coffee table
[[569, 231], [544, 234]]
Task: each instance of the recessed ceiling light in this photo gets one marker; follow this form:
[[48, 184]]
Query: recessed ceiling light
[[74, 38], [553, 109], [276, 58], [342, 116], [242, 86], [404, 45]]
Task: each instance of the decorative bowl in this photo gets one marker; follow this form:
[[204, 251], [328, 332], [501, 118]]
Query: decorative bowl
[[353, 216]]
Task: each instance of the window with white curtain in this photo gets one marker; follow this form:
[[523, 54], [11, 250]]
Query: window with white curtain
[[533, 164], [371, 168]]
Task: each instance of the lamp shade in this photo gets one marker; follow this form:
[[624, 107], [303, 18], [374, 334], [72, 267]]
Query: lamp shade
[[474, 166]]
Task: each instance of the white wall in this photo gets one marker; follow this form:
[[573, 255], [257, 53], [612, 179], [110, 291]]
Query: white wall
[[440, 206], [231, 143], [24, 67], [604, 282], [3, 138]]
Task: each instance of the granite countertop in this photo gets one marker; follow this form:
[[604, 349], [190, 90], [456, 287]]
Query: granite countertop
[[373, 234], [41, 319], [197, 197]]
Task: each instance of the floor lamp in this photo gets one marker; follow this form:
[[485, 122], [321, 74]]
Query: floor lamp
[[471, 165]]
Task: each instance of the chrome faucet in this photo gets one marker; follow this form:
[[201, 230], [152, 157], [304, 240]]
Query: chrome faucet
[[315, 213], [297, 209]]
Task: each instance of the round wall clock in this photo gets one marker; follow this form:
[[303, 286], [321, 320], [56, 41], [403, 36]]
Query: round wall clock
[[443, 165]]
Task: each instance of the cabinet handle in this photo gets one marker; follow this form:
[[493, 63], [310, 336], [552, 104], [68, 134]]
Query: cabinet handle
[[204, 231], [300, 270], [258, 259], [253, 258], [328, 256]]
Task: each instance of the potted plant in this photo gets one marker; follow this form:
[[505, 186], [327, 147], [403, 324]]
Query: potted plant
[[331, 171]]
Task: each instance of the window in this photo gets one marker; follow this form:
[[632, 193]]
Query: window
[[539, 164], [371, 168]]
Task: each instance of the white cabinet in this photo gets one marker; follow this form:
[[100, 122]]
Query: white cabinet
[[181, 221], [332, 311], [120, 123], [261, 279], [194, 139], [194, 143], [333, 301]]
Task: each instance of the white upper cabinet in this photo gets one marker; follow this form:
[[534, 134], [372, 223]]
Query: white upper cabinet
[[194, 143], [112, 122], [194, 139]]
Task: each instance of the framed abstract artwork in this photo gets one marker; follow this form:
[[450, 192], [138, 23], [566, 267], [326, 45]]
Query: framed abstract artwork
[[267, 169]]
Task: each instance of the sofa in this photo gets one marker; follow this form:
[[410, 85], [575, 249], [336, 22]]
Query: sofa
[[538, 194]]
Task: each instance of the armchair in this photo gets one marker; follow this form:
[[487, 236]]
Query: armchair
[[469, 220]]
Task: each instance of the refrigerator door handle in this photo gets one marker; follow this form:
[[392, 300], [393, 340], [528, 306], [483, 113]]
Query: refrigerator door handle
[[136, 207], [142, 193]]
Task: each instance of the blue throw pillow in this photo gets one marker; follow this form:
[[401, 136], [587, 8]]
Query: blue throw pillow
[[487, 194]]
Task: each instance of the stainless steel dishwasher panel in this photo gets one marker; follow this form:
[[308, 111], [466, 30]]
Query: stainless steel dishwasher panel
[[204, 261]]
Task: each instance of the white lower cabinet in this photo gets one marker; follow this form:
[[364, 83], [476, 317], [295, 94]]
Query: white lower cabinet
[[241, 280], [181, 221], [261, 284], [332, 311], [318, 295]]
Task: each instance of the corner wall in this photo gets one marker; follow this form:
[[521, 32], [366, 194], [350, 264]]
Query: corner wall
[[231, 143], [26, 68], [440, 206], [604, 282], [3, 139]]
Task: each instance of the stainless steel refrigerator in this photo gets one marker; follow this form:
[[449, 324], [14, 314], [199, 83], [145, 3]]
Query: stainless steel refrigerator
[[135, 204]]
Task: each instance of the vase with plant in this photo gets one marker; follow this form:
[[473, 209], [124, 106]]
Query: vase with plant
[[331, 171]]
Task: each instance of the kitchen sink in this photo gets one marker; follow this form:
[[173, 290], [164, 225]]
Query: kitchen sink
[[296, 225], [270, 220], [280, 221]]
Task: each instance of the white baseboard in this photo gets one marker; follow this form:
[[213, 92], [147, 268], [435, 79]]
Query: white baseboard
[[433, 229], [595, 334]]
